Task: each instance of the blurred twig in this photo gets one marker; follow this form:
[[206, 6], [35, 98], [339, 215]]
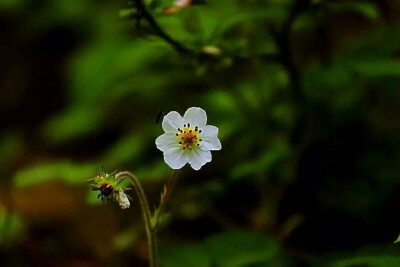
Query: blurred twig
[[143, 13], [286, 54], [286, 58]]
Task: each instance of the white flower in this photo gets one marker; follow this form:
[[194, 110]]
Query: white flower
[[188, 139]]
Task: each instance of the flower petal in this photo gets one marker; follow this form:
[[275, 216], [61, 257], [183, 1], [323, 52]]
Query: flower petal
[[197, 158], [166, 141], [123, 200], [210, 143], [172, 121], [175, 158], [209, 131], [210, 138], [196, 116]]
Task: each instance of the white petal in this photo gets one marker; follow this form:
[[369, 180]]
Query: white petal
[[197, 158], [123, 200], [210, 138], [210, 143], [209, 131], [167, 141], [196, 117], [172, 121], [175, 158]]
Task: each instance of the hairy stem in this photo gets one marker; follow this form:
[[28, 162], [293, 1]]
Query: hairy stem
[[165, 196], [150, 232]]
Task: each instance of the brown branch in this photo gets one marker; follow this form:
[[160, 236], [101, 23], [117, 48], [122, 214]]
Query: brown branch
[[145, 14]]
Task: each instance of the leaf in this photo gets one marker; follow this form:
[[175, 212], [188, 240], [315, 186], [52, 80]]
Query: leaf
[[366, 9], [73, 123], [184, 255], [272, 13], [371, 261], [10, 227], [222, 101], [65, 171], [263, 163], [378, 68], [127, 13], [126, 149], [237, 248], [397, 240], [232, 248]]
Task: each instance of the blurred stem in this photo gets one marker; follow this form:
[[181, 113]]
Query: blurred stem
[[150, 231], [167, 193], [145, 14]]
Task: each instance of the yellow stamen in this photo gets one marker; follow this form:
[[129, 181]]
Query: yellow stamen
[[187, 138]]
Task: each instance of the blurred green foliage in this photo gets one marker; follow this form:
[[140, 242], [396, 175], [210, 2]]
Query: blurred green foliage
[[231, 248], [305, 96]]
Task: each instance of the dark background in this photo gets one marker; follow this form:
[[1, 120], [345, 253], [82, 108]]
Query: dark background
[[305, 95]]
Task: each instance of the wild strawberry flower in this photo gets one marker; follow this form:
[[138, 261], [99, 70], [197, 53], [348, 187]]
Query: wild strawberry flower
[[110, 188], [188, 139]]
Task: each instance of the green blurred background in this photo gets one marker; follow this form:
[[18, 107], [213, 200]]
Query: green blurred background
[[306, 97]]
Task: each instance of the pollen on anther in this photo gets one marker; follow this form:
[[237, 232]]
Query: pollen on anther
[[184, 131], [190, 131]]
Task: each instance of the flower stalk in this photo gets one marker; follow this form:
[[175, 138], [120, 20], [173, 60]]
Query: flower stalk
[[150, 231], [164, 197]]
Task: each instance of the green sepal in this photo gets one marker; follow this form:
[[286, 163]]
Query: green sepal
[[102, 171]]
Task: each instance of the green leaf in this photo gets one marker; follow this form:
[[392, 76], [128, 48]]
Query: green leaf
[[126, 149], [397, 240], [277, 12], [12, 5], [10, 227], [367, 9], [262, 163], [232, 248], [127, 13], [184, 255], [64, 171], [238, 248], [73, 123], [378, 68], [371, 261]]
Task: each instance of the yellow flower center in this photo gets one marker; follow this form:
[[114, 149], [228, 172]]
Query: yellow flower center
[[188, 137]]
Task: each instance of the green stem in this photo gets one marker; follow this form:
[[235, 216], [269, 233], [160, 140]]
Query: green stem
[[150, 231], [170, 186]]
